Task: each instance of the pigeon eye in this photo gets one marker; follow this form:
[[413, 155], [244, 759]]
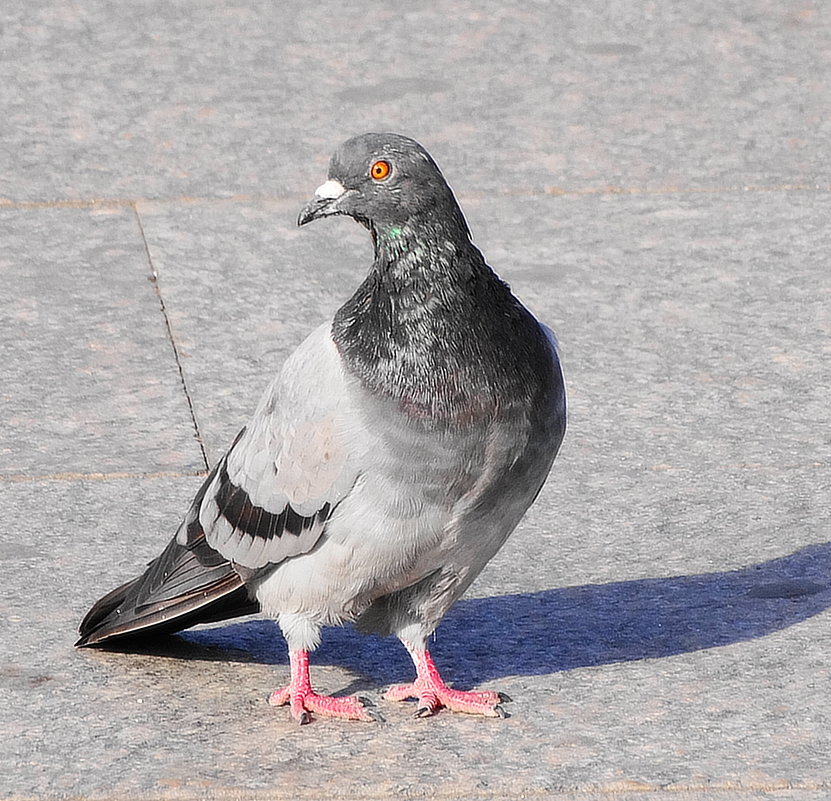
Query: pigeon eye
[[380, 170]]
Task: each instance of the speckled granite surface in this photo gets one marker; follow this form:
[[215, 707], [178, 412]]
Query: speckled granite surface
[[653, 181]]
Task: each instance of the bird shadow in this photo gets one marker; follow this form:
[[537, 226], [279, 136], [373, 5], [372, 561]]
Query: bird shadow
[[545, 632]]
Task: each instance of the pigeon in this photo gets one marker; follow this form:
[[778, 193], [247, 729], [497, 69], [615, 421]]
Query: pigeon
[[387, 462]]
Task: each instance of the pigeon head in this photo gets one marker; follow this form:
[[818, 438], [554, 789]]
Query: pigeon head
[[386, 182]]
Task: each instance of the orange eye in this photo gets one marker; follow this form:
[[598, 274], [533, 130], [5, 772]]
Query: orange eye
[[380, 170]]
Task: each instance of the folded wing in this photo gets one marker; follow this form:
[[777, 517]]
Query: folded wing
[[266, 500]]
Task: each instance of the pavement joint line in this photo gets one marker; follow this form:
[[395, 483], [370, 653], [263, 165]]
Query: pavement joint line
[[155, 280], [556, 191], [88, 203], [629, 789], [681, 190], [22, 478], [114, 476], [670, 468]]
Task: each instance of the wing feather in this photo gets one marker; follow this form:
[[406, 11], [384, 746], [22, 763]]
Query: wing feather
[[288, 469]]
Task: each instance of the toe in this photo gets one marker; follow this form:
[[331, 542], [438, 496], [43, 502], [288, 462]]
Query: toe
[[401, 692], [347, 707], [473, 703], [279, 697]]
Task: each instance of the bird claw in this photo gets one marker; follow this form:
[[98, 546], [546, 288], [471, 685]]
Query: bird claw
[[504, 698]]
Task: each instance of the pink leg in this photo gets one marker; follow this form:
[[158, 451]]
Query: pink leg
[[302, 700], [433, 694]]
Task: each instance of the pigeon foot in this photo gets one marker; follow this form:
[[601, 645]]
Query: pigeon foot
[[433, 694], [303, 704], [303, 701], [432, 699]]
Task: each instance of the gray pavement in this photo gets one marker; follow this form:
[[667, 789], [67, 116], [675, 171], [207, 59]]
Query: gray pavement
[[653, 179]]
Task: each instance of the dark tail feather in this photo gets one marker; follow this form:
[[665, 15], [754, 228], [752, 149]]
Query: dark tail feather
[[184, 586]]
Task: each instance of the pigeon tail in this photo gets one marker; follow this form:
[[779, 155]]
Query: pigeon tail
[[184, 586]]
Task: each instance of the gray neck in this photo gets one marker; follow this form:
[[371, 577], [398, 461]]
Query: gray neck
[[427, 325]]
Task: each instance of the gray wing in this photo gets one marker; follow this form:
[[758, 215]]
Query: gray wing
[[276, 487], [267, 499]]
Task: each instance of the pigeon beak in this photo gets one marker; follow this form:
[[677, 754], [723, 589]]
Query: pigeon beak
[[324, 203]]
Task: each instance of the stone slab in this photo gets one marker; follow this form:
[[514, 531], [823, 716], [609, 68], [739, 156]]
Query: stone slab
[[90, 381], [660, 616], [691, 683], [687, 347], [694, 328], [243, 286], [170, 98]]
